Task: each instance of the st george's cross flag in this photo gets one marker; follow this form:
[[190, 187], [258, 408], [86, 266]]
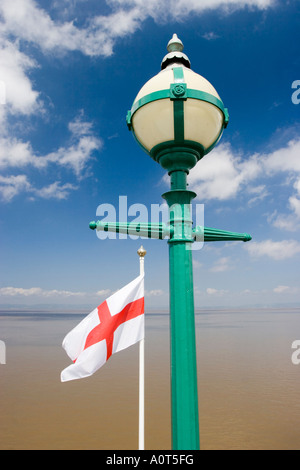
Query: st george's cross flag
[[115, 325]]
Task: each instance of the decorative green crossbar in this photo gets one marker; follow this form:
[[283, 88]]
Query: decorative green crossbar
[[160, 231]]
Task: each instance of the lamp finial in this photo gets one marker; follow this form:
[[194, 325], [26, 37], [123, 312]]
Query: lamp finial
[[175, 54], [175, 44]]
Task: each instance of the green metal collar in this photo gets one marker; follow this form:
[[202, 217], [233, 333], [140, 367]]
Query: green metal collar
[[178, 91]]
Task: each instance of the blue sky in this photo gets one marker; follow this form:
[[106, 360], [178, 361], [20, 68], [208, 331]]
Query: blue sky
[[70, 70]]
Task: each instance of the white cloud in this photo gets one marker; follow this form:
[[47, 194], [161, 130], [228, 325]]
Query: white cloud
[[154, 293], [285, 159], [54, 191], [75, 157], [295, 206], [297, 186], [36, 291], [221, 265], [186, 6], [282, 289], [259, 194], [164, 10], [20, 97], [103, 292], [12, 291], [294, 200], [222, 175], [42, 293], [15, 153], [283, 221], [290, 221], [211, 36], [278, 251], [197, 264], [79, 127], [11, 186], [216, 292], [26, 20]]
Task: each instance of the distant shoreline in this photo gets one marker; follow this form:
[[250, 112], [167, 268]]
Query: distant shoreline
[[56, 312]]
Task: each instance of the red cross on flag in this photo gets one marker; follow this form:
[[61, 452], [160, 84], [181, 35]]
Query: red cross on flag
[[115, 325]]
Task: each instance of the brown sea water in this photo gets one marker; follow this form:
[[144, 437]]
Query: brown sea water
[[249, 390]]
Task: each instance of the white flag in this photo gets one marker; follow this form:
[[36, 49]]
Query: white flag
[[115, 325]]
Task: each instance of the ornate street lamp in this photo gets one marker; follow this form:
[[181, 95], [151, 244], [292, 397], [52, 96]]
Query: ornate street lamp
[[178, 118]]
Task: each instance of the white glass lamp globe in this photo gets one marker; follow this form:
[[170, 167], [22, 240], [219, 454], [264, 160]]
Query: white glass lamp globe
[[177, 108]]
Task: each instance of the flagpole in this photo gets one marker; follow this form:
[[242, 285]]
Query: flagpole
[[142, 253]]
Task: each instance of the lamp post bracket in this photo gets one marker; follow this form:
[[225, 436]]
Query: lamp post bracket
[[160, 231]]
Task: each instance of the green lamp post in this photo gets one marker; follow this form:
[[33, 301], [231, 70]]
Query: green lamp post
[[178, 118]]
